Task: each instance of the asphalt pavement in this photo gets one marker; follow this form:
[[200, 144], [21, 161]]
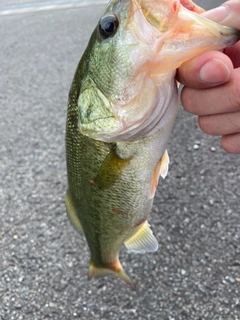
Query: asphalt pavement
[[194, 275]]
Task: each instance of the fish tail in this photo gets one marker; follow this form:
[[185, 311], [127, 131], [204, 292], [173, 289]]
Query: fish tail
[[115, 268]]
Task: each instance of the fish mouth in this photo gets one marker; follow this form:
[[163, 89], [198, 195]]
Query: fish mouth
[[161, 13], [159, 35], [183, 32]]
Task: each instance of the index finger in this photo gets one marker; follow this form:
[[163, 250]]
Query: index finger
[[220, 99]]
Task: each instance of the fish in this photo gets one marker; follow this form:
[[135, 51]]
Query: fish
[[123, 102]]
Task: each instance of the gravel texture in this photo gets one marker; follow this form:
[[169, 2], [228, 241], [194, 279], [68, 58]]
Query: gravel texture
[[43, 262]]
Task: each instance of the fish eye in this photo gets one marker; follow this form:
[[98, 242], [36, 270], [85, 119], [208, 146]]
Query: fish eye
[[108, 26]]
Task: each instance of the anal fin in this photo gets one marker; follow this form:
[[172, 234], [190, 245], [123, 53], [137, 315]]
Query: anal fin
[[164, 165], [161, 169], [142, 241], [72, 214]]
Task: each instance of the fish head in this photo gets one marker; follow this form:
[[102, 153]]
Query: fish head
[[133, 53]]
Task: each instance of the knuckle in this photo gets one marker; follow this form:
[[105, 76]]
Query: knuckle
[[231, 143], [234, 121], [234, 95], [188, 100], [206, 123]]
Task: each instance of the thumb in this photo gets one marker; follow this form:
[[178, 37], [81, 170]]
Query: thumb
[[207, 70]]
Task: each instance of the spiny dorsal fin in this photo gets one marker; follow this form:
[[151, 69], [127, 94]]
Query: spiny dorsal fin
[[164, 165], [72, 214], [142, 241]]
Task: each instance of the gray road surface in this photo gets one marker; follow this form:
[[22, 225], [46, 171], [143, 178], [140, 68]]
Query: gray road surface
[[43, 262]]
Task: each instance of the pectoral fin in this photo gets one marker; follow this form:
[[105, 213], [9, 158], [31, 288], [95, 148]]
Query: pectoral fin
[[110, 170], [142, 241], [72, 214]]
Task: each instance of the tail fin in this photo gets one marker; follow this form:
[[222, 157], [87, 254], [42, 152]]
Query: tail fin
[[116, 268]]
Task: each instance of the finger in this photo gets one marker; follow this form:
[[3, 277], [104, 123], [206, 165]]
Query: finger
[[227, 14], [220, 99], [220, 124], [231, 143], [207, 70], [234, 54]]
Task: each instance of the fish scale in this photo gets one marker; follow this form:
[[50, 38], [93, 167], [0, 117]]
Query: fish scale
[[122, 105]]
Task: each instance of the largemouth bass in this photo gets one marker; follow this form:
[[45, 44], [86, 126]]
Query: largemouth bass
[[122, 105]]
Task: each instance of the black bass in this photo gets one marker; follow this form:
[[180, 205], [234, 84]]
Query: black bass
[[122, 105]]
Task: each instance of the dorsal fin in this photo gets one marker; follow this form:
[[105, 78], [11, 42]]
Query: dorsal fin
[[142, 241]]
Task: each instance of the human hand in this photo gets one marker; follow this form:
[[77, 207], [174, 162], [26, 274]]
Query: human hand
[[212, 84]]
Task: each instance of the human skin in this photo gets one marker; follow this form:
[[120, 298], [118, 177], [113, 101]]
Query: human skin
[[212, 84]]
